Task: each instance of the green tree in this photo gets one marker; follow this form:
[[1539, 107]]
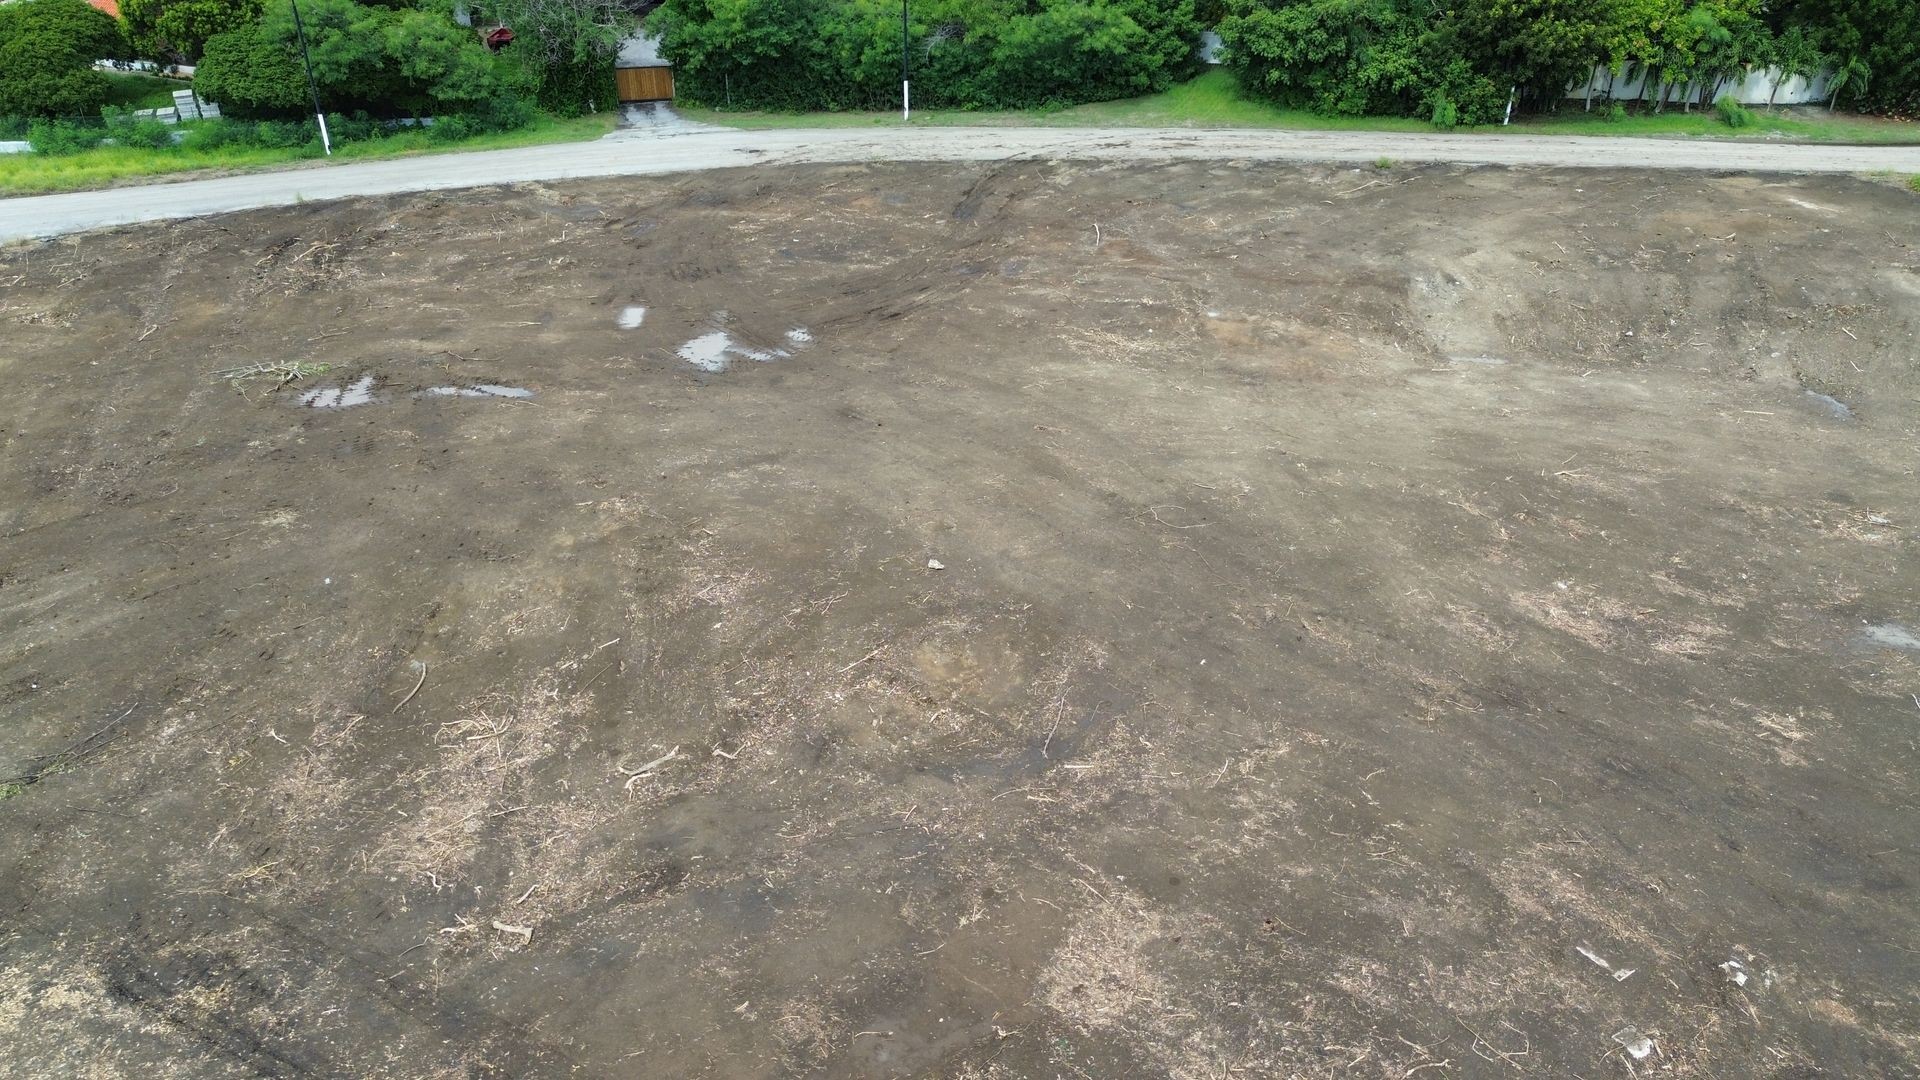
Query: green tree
[[365, 59], [570, 46], [837, 54], [179, 29], [1795, 56], [1849, 74], [1538, 46], [47, 52], [1883, 36], [251, 74]]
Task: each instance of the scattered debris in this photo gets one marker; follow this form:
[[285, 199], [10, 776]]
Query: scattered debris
[[1736, 972], [525, 932], [416, 686], [936, 564], [631, 317], [277, 374], [634, 776], [1635, 1044], [1619, 974]]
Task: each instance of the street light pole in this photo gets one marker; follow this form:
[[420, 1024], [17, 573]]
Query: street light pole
[[313, 88], [906, 106]]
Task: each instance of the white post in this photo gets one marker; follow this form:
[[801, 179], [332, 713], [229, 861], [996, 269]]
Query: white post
[[326, 143], [1512, 90], [906, 107]]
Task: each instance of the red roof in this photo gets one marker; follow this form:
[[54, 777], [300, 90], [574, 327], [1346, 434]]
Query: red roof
[[111, 7]]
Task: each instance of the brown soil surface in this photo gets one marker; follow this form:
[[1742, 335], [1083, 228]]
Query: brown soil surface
[[1185, 621]]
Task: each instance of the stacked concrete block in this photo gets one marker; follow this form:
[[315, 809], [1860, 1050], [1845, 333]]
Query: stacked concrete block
[[191, 106]]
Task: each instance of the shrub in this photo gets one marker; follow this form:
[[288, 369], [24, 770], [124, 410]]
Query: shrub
[[58, 138], [264, 134], [1445, 113], [1914, 183], [283, 134], [1732, 113], [1615, 113], [47, 51], [127, 130], [251, 75]]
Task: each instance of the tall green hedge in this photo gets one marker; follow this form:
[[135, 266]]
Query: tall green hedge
[[366, 58], [1460, 60], [845, 54], [47, 51]]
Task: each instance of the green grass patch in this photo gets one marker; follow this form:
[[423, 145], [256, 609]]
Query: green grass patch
[[134, 90], [1914, 183], [1214, 100], [109, 166], [1787, 124]]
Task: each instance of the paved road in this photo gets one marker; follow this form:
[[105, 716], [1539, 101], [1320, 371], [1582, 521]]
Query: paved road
[[668, 148]]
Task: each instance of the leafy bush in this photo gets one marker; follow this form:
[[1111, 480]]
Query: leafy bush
[[251, 75], [1732, 113], [1403, 57], [846, 54], [58, 138], [125, 129], [47, 51], [1614, 113], [567, 48], [1445, 113]]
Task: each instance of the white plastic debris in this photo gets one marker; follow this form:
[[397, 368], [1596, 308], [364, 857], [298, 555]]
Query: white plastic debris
[[936, 564], [1635, 1044], [1619, 975], [1736, 972]]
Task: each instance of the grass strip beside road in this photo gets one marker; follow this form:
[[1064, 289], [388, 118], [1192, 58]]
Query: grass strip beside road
[[111, 166]]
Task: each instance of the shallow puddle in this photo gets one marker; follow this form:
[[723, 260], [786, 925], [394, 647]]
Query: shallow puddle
[[714, 352], [360, 392], [1892, 636], [477, 390], [631, 317], [1830, 405], [357, 392]]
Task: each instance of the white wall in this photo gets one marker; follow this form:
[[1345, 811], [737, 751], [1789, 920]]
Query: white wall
[[640, 50], [1752, 90]]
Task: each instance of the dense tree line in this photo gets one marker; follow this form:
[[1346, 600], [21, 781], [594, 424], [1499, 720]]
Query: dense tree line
[[1459, 61], [846, 54]]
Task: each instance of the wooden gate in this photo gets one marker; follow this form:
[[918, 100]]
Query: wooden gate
[[644, 84]]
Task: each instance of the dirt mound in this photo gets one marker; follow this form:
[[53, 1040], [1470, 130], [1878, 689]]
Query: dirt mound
[[1038, 619]]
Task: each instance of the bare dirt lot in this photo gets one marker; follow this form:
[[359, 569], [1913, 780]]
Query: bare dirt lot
[[1026, 620]]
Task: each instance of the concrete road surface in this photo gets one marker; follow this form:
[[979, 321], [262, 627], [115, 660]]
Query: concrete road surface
[[672, 148]]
